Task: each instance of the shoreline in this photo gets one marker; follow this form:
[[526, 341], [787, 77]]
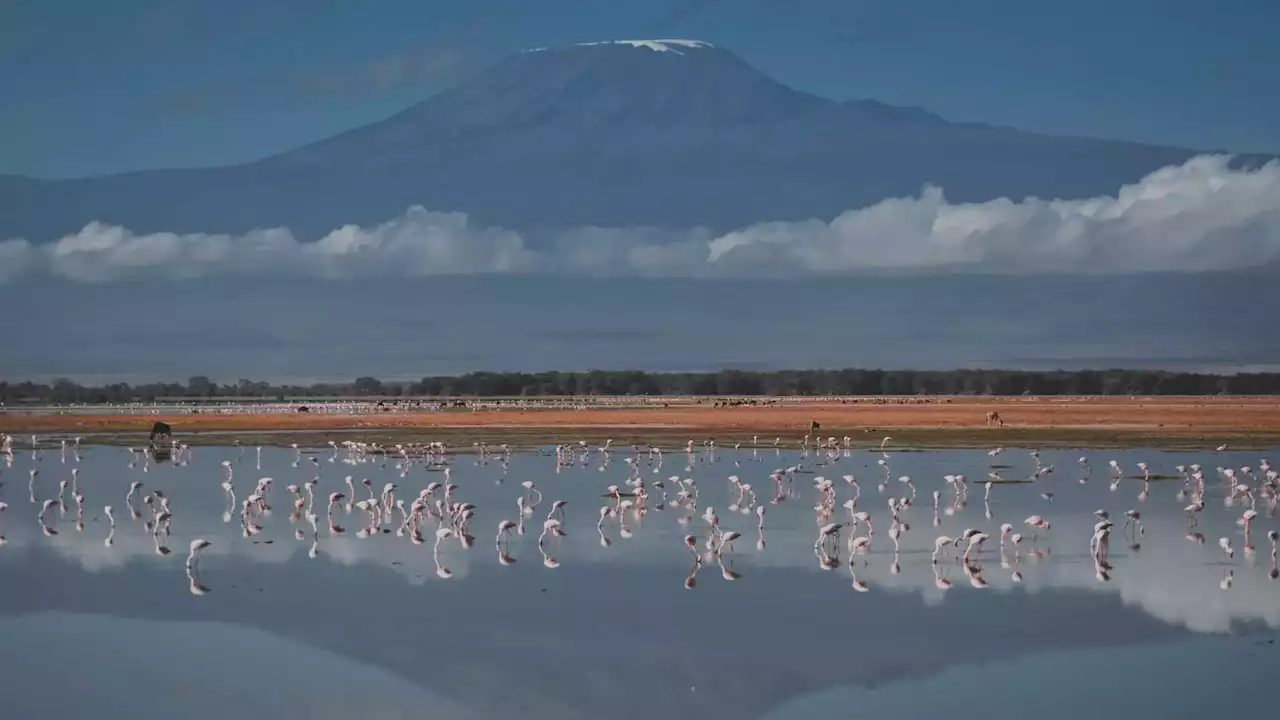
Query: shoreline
[[1193, 423]]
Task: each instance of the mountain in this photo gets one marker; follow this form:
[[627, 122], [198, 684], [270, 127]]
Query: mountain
[[668, 133]]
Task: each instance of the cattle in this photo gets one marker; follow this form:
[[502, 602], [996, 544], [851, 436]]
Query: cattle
[[814, 426], [993, 418]]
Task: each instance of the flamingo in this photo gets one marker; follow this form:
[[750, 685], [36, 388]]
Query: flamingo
[[709, 515], [828, 531], [691, 542], [194, 556], [528, 485], [550, 526], [906, 480], [863, 517], [860, 545], [1134, 518], [334, 499], [1246, 520], [975, 542], [727, 538], [941, 542], [1101, 540], [1005, 530], [1036, 522], [504, 530]]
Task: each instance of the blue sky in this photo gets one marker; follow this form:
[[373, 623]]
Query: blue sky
[[89, 87]]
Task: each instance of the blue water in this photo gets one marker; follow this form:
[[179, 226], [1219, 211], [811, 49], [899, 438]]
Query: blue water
[[369, 628]]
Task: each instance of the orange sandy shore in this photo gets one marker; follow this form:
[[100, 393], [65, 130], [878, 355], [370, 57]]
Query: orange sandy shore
[[1166, 416]]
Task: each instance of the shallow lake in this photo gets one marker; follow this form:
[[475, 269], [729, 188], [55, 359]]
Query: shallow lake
[[618, 617]]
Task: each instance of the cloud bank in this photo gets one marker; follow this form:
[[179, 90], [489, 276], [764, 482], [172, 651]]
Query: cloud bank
[[1202, 215]]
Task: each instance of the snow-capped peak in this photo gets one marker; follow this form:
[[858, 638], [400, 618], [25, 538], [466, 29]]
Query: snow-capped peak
[[658, 45], [668, 45], [671, 45]]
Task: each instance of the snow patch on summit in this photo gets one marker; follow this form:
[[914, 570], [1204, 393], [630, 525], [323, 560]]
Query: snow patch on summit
[[668, 45]]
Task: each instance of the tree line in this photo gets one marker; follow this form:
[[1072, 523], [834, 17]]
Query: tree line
[[635, 382]]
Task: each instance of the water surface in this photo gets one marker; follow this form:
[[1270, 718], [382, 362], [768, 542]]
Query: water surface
[[343, 625]]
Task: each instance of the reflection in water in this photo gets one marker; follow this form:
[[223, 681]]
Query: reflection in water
[[270, 676], [642, 516], [1052, 683], [193, 576]]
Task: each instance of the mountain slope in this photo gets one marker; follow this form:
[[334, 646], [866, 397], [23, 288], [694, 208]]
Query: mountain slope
[[672, 133]]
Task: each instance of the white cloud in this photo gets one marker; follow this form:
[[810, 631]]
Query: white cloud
[[1198, 216], [1201, 215], [414, 244]]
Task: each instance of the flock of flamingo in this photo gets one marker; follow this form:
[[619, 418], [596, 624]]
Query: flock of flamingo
[[437, 515]]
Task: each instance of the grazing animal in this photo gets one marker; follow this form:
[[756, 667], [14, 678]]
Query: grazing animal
[[814, 426], [160, 428], [993, 418]]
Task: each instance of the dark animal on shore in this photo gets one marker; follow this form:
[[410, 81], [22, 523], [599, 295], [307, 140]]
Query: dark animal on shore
[[303, 408], [814, 426], [160, 428]]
